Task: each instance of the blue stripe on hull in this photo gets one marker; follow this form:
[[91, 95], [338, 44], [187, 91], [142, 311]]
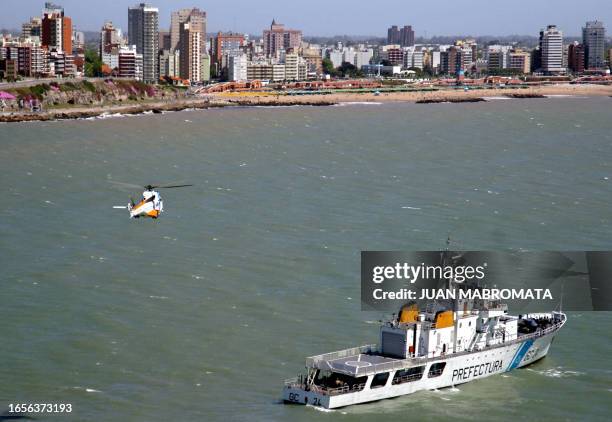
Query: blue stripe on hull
[[520, 354]]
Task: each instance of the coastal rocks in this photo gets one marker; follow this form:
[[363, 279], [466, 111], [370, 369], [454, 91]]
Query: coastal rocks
[[450, 100], [283, 103], [84, 113], [524, 95]]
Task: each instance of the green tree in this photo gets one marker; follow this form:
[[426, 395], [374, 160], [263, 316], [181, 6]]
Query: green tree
[[328, 67], [93, 64], [350, 70]]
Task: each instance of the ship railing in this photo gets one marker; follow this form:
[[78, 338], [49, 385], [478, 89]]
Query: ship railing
[[312, 361], [542, 332], [292, 382], [407, 378], [343, 390]]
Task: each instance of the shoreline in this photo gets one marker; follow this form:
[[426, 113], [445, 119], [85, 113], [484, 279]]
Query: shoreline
[[266, 99]]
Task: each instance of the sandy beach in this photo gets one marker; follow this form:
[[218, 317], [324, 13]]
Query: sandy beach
[[440, 95]]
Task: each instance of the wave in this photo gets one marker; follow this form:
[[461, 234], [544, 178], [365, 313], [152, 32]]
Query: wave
[[350, 103], [557, 372]]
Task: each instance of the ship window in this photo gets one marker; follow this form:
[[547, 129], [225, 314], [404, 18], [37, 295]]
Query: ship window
[[408, 375], [436, 369], [379, 380]]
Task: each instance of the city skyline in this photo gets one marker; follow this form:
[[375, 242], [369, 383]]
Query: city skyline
[[247, 17]]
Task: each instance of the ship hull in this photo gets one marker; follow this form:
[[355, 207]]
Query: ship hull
[[458, 370]]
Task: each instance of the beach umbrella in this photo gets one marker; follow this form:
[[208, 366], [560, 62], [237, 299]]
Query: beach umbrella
[[6, 96]]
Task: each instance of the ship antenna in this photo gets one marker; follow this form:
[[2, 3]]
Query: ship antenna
[[561, 299]]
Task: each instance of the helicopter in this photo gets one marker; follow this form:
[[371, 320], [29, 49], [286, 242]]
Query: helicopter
[[151, 205]]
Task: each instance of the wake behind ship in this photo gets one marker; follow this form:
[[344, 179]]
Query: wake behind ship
[[423, 350]]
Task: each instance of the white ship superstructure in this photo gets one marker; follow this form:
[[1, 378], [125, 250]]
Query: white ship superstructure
[[426, 349]]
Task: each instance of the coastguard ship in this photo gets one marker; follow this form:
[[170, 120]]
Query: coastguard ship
[[444, 345]]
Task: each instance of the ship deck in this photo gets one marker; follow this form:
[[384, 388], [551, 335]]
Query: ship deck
[[357, 362], [356, 365]]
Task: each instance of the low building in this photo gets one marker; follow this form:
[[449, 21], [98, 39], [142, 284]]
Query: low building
[[169, 62], [519, 60], [362, 57], [266, 71], [413, 58], [576, 57], [497, 56], [295, 68], [452, 61], [10, 69], [395, 56], [24, 60], [61, 64], [237, 68], [379, 69], [205, 68], [336, 57], [314, 61], [111, 59], [130, 63]]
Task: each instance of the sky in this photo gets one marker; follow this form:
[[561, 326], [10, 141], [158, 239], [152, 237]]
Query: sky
[[340, 17]]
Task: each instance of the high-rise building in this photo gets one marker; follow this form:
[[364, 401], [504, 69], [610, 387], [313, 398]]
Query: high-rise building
[[551, 50], [56, 29], [594, 41], [278, 38], [196, 19], [451, 60], [179, 17], [110, 38], [78, 42], [143, 27], [164, 40], [406, 36], [576, 57], [190, 43], [32, 28], [228, 43], [393, 35]]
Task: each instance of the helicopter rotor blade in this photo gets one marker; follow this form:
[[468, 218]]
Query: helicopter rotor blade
[[125, 185], [170, 186]]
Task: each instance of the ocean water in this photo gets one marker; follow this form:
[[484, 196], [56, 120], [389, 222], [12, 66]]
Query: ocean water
[[203, 313]]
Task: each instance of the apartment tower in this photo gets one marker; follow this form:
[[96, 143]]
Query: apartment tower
[[143, 28]]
